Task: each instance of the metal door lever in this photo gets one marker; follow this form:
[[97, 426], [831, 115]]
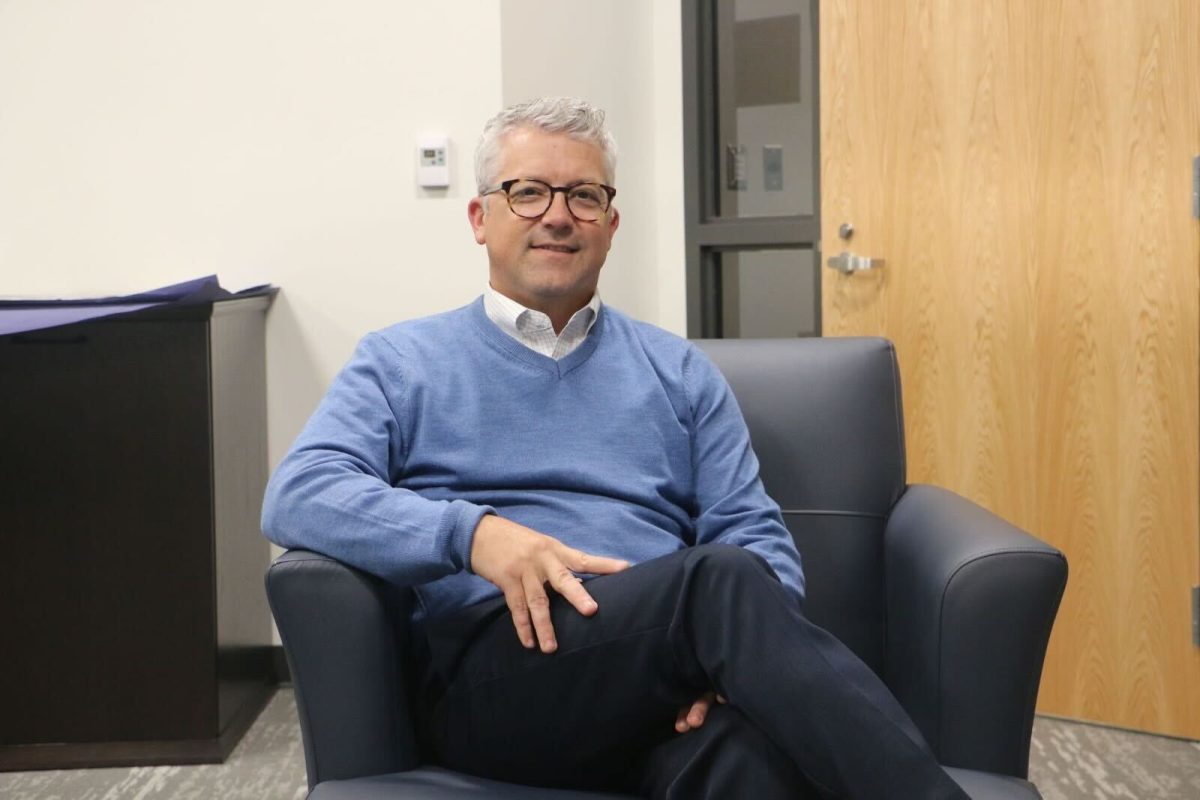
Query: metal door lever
[[848, 263]]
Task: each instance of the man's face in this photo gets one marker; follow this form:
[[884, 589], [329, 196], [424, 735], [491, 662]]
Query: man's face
[[552, 263]]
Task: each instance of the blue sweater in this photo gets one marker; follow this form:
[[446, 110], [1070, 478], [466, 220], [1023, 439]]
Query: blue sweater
[[632, 446]]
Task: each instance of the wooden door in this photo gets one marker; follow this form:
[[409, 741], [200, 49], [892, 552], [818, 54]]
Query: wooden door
[[1024, 168]]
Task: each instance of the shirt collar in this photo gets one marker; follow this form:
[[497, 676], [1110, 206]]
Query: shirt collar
[[518, 321]]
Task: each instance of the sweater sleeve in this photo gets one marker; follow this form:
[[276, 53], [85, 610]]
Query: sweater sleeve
[[732, 505], [335, 493]]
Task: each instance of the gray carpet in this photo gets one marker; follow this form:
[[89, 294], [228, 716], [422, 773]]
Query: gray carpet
[[1071, 761], [268, 764], [1068, 761]]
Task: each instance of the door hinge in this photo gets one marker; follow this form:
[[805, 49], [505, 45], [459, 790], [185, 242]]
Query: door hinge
[[1196, 615]]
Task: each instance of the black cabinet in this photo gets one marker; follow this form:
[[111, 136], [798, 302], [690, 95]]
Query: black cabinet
[[132, 466]]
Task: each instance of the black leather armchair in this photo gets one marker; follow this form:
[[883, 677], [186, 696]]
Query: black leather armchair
[[950, 604]]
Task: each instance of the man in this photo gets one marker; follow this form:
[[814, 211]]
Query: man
[[492, 455]]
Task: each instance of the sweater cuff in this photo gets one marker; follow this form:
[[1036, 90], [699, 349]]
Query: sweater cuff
[[462, 518]]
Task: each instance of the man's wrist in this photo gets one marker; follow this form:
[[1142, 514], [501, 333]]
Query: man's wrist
[[466, 526]]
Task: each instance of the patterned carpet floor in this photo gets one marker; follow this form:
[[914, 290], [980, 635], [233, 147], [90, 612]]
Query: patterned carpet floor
[[1068, 761], [1073, 761], [268, 764]]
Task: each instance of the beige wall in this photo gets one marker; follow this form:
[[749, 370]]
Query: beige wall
[[625, 56], [143, 143]]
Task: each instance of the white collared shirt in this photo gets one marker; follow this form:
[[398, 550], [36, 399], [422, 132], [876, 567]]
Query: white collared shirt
[[534, 329]]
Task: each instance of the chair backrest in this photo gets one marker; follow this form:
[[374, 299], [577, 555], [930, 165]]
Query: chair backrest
[[826, 423]]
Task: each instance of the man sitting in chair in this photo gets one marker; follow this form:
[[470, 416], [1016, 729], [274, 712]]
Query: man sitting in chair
[[607, 596]]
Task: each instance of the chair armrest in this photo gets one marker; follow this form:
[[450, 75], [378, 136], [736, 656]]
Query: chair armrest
[[339, 628], [971, 600]]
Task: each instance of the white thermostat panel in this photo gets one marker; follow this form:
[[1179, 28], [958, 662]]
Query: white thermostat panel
[[433, 162]]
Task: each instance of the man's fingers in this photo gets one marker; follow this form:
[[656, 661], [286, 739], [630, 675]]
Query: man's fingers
[[699, 711], [519, 610], [539, 611], [521, 562], [693, 716], [580, 561], [565, 583]]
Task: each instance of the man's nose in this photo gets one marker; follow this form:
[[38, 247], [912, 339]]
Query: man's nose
[[558, 215]]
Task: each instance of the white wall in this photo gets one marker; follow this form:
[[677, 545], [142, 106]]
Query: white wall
[[272, 141], [626, 57], [143, 143], [667, 125]]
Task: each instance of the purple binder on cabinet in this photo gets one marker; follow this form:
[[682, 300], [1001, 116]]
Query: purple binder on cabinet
[[20, 316]]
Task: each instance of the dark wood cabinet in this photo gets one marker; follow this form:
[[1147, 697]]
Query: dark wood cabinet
[[132, 466]]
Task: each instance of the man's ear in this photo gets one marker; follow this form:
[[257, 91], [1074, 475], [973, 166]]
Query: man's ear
[[613, 223], [476, 211]]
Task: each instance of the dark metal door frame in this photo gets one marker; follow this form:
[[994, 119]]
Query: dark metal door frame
[[706, 233]]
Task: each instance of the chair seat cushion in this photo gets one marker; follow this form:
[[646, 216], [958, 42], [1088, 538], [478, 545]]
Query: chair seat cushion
[[990, 786], [434, 783]]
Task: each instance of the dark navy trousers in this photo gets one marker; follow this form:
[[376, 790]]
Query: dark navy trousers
[[805, 717]]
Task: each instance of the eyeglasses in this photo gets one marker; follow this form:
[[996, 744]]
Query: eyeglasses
[[530, 199]]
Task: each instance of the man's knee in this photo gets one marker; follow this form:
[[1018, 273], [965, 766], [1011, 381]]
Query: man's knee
[[727, 586], [730, 559]]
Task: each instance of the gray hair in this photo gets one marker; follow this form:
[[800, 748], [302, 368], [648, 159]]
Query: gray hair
[[568, 115]]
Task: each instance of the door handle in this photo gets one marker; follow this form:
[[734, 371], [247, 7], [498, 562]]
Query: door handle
[[848, 263]]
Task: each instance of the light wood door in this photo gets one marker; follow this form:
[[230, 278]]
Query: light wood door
[[1023, 166]]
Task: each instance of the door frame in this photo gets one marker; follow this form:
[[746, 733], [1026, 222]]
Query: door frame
[[706, 234]]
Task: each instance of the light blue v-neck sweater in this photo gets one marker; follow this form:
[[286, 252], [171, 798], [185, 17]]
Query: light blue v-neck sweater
[[632, 446]]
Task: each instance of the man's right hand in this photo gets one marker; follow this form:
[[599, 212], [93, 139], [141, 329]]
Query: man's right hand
[[521, 562]]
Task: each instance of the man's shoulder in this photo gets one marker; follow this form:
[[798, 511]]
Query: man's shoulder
[[655, 339], [434, 329], [674, 359]]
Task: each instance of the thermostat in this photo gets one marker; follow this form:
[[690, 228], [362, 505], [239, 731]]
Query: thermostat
[[433, 162]]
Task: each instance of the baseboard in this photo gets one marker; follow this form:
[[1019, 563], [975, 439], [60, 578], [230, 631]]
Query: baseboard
[[153, 753], [279, 666], [147, 753], [1113, 727]]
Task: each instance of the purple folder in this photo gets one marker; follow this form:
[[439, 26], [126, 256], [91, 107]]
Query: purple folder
[[19, 316]]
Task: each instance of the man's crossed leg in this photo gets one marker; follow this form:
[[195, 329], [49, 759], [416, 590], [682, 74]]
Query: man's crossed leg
[[599, 712]]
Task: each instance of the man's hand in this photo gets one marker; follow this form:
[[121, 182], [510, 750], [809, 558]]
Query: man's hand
[[690, 717], [521, 562]]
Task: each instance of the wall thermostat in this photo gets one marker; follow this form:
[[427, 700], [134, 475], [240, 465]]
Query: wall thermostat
[[433, 162]]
